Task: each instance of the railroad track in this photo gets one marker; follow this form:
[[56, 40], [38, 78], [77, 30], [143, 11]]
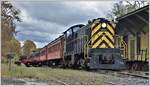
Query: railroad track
[[125, 77], [135, 75], [61, 82], [138, 74], [58, 81], [110, 83]]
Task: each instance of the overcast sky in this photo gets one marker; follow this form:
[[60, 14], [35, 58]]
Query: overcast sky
[[43, 21]]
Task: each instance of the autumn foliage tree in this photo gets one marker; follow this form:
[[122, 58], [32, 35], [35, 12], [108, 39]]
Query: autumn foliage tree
[[14, 46], [28, 47], [9, 15]]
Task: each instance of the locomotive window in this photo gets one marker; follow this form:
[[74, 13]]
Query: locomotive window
[[75, 29], [69, 32]]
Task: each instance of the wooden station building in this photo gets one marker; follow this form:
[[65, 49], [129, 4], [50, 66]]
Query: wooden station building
[[134, 31]]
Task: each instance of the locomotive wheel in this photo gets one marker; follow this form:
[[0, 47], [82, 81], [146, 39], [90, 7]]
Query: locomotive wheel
[[53, 65], [69, 65], [27, 65], [64, 65], [39, 64], [82, 63]]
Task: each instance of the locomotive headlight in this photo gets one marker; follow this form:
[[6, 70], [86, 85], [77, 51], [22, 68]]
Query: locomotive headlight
[[103, 25]]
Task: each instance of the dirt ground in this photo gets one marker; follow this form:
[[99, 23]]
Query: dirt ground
[[13, 81], [21, 75]]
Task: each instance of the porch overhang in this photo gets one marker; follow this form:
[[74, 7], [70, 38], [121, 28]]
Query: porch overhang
[[133, 22]]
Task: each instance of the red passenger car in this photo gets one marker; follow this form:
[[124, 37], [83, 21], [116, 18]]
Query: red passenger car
[[42, 55], [27, 60], [51, 54], [55, 51]]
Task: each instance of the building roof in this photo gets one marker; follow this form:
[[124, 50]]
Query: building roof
[[133, 22]]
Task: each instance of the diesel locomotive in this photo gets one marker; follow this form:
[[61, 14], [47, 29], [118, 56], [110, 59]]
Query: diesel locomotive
[[90, 46]]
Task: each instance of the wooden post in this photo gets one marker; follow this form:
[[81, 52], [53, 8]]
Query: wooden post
[[146, 54], [10, 57], [9, 64]]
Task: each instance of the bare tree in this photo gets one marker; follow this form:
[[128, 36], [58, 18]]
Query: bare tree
[[120, 8]]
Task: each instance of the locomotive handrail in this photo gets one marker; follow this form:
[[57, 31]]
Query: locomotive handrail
[[125, 47], [86, 49]]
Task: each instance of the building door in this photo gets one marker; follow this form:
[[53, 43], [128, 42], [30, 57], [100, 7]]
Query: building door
[[132, 49]]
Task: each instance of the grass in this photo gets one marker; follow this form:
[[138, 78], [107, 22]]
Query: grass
[[68, 76]]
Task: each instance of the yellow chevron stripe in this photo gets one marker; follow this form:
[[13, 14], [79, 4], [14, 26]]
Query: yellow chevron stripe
[[103, 46], [95, 29], [110, 29], [96, 36], [108, 42], [110, 36], [93, 25], [97, 43]]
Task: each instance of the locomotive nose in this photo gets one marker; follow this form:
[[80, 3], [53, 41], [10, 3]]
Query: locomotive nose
[[106, 58]]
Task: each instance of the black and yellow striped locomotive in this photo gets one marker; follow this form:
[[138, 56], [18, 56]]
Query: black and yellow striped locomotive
[[92, 46]]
